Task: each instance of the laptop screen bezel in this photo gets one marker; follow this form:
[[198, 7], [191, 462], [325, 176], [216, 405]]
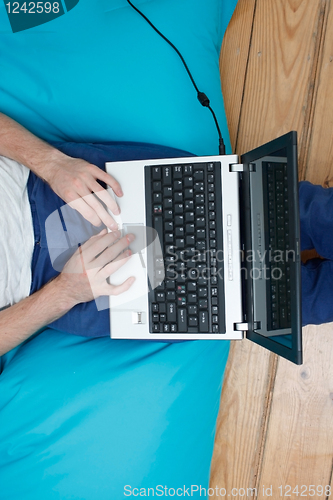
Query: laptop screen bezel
[[288, 142]]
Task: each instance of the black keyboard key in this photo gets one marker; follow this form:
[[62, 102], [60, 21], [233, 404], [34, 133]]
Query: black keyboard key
[[167, 177], [157, 197], [198, 175], [203, 304], [156, 173], [180, 231], [203, 322], [167, 203], [182, 320], [192, 321], [189, 196], [171, 312], [192, 310], [158, 226], [162, 307], [192, 298], [177, 172], [160, 297], [189, 216], [188, 182]]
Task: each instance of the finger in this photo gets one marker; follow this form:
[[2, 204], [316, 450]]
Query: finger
[[85, 210], [108, 179], [93, 202], [118, 289], [116, 264], [97, 244], [105, 196], [113, 251]]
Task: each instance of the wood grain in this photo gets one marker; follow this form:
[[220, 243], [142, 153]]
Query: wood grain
[[233, 62], [319, 160], [299, 444], [280, 71], [275, 425], [242, 419]]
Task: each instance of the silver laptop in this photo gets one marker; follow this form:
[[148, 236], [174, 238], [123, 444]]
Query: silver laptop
[[217, 249]]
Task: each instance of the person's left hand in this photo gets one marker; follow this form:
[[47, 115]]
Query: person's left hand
[[75, 181]]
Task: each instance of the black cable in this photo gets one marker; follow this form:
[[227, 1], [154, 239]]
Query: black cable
[[202, 98]]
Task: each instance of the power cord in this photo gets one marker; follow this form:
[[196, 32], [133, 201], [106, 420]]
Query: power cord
[[202, 98]]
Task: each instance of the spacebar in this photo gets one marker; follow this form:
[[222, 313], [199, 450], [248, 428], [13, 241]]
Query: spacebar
[[158, 226], [182, 320]]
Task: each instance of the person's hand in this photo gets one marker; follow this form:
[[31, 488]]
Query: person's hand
[[74, 180], [85, 274]]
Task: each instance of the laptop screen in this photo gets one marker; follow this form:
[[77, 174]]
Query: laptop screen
[[271, 250]]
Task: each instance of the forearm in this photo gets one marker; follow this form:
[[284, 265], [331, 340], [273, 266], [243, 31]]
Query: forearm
[[19, 322], [20, 145]]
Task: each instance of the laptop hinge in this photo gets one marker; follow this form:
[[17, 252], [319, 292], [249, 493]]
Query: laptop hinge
[[244, 327], [241, 167]]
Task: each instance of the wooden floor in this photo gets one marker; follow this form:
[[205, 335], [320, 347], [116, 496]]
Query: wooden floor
[[275, 426]]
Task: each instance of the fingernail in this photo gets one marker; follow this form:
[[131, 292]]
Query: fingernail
[[130, 237], [113, 225], [120, 192], [129, 253]]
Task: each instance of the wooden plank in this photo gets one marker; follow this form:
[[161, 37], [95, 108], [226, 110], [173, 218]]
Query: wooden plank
[[242, 418], [299, 445], [233, 62], [319, 157], [280, 84], [280, 72], [302, 408]]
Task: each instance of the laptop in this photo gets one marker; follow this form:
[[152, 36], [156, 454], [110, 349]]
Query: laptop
[[217, 249]]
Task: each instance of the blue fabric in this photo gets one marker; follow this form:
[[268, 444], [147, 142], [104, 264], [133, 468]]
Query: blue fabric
[[81, 418], [84, 319], [100, 72], [316, 213]]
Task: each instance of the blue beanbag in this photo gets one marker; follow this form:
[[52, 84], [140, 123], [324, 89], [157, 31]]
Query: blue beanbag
[[100, 73], [95, 418]]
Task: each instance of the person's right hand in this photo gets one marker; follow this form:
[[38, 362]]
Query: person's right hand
[[85, 274]]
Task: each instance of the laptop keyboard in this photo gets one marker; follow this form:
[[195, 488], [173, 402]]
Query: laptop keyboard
[[184, 206], [278, 241]]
